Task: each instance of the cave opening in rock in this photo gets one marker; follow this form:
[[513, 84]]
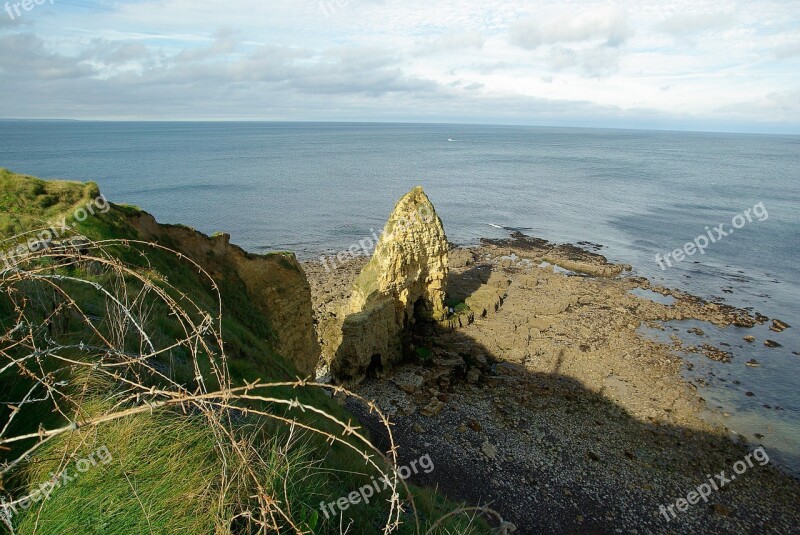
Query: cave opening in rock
[[375, 368], [423, 311]]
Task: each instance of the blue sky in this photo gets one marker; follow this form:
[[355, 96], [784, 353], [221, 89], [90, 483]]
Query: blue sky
[[693, 65]]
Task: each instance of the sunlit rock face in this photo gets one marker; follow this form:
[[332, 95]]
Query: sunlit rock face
[[402, 285], [275, 283]]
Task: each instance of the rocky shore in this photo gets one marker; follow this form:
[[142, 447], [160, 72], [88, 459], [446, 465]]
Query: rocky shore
[[541, 396]]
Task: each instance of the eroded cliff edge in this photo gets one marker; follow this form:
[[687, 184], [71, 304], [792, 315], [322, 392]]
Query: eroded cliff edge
[[275, 283]]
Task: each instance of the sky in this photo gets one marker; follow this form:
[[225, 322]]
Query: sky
[[717, 65]]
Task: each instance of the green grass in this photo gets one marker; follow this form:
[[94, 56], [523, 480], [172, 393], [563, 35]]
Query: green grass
[[459, 307], [166, 473], [28, 202]]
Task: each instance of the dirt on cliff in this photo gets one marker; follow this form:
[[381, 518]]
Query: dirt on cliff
[[275, 283]]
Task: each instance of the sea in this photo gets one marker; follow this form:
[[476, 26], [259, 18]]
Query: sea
[[318, 188]]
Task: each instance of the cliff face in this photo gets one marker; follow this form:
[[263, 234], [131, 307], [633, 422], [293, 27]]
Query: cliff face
[[401, 285], [275, 283]]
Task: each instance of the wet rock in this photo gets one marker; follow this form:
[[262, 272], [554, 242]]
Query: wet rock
[[778, 326], [752, 363], [715, 353], [749, 338], [696, 330], [538, 420], [772, 343]]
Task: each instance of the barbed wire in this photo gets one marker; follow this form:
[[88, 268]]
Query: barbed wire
[[60, 352]]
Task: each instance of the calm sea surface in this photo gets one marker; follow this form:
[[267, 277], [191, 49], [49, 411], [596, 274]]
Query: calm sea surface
[[318, 188]]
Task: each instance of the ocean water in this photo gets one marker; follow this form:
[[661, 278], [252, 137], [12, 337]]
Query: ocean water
[[318, 188]]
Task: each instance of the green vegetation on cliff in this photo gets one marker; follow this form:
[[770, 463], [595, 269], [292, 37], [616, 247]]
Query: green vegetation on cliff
[[111, 345]]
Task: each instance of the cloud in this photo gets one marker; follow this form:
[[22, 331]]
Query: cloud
[[788, 50], [224, 43], [598, 61], [692, 23], [451, 41], [31, 60], [606, 23], [489, 60], [339, 70], [781, 106], [588, 43], [6, 22]]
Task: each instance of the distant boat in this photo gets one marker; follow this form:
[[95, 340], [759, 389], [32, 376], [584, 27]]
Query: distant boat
[[451, 139]]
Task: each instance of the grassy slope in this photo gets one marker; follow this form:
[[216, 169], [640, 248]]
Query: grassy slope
[[164, 477]]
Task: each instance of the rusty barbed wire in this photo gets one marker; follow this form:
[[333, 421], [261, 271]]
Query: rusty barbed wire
[[120, 350]]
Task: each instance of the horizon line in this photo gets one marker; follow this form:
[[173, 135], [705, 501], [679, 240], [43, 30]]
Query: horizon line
[[375, 122]]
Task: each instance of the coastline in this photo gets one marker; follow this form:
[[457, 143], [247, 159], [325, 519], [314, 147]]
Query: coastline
[[549, 401]]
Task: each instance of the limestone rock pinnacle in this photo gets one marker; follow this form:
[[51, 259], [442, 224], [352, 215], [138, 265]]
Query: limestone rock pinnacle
[[402, 284]]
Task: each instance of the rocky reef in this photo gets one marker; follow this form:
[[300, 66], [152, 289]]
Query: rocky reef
[[543, 395], [400, 289]]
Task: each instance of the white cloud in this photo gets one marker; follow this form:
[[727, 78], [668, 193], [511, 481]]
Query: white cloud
[[450, 41], [597, 61], [782, 106], [691, 23], [608, 24], [492, 60], [788, 50]]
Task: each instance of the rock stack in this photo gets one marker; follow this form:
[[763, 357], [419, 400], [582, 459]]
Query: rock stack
[[401, 287]]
